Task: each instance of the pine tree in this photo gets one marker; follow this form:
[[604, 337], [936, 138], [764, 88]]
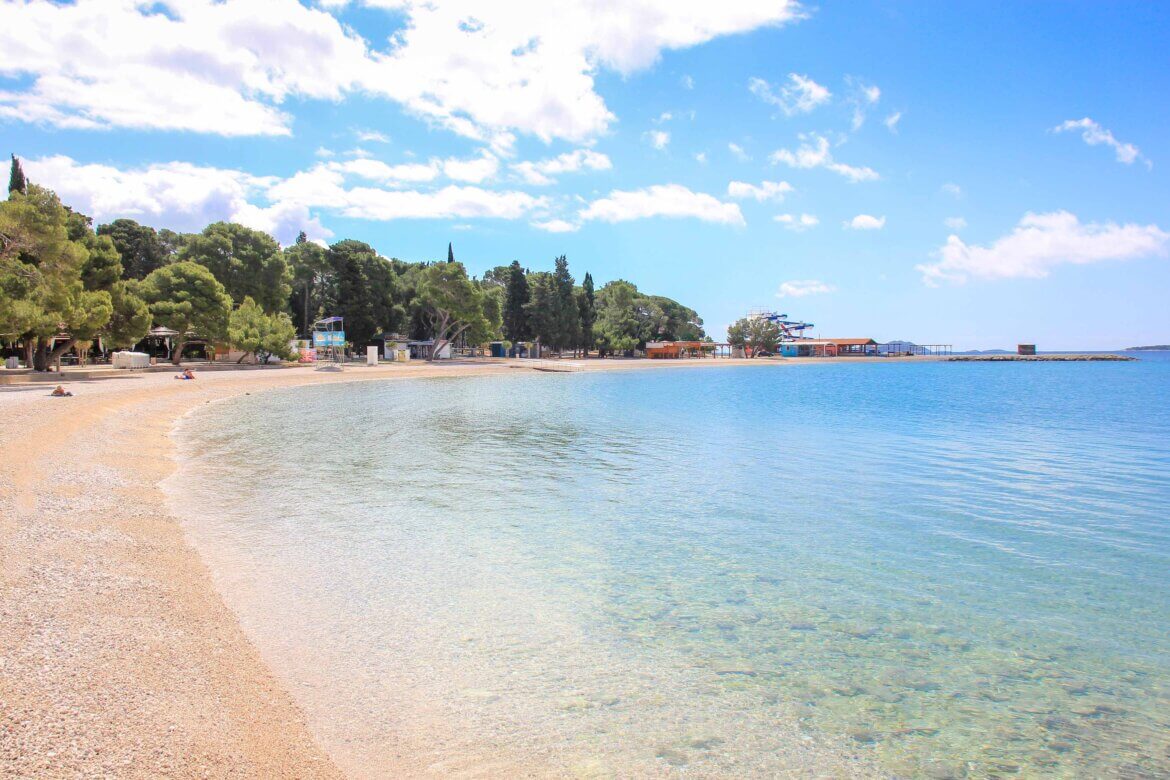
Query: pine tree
[[302, 238], [16, 179], [450, 253]]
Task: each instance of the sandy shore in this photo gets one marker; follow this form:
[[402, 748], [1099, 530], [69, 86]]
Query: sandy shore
[[117, 656]]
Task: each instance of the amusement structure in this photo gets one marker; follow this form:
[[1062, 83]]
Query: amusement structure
[[790, 330]]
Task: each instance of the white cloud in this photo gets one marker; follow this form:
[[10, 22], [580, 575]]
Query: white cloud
[[482, 70], [814, 153], [474, 170], [541, 173], [323, 152], [952, 189], [955, 223], [372, 136], [1041, 242], [738, 151], [766, 190], [393, 175], [891, 121], [187, 197], [556, 226], [799, 288], [659, 139], [529, 66], [175, 195], [862, 97], [665, 116], [701, 158], [866, 222], [687, 82], [662, 200], [1093, 134], [798, 95], [208, 67], [797, 223]]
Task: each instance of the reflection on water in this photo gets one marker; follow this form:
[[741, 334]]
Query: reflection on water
[[929, 570]]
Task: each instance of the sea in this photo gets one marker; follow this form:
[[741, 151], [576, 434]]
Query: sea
[[899, 569]]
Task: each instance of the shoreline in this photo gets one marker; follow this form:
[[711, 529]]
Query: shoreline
[[118, 656]]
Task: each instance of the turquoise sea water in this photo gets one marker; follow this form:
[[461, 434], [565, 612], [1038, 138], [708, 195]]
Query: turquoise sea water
[[929, 569]]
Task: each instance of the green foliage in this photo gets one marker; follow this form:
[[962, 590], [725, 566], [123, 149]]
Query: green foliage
[[187, 298], [16, 179], [131, 318], [260, 334], [755, 333], [587, 312], [314, 289], [450, 253], [678, 323], [247, 262], [140, 247], [43, 273], [364, 289], [622, 325], [452, 304], [516, 294]]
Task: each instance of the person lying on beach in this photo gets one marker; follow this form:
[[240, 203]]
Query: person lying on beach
[[187, 374], [60, 392]]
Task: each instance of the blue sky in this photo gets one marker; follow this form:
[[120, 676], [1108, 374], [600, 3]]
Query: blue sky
[[978, 174]]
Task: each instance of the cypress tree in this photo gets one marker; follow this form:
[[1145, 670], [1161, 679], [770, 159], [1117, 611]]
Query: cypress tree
[[566, 317], [587, 303], [515, 299], [16, 179], [450, 253]]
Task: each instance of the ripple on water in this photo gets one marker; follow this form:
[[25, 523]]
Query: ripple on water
[[729, 572]]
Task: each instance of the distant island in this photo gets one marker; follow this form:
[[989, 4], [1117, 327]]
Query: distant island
[[1154, 348]]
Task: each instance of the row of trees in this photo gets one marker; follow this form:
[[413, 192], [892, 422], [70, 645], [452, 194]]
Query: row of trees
[[59, 275]]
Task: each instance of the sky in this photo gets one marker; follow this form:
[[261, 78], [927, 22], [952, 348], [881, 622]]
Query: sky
[[971, 173]]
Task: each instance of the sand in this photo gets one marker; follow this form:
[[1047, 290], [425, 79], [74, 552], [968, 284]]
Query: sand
[[118, 658]]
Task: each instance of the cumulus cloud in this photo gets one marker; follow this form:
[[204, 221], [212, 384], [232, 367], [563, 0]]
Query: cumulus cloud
[[799, 288], [701, 158], [483, 70], [738, 151], [541, 172], [797, 223], [952, 189], [798, 95], [659, 139], [814, 153], [866, 222], [475, 170], [208, 67], [662, 200], [955, 223], [187, 197], [891, 122], [765, 190], [175, 195], [1094, 135], [1041, 242]]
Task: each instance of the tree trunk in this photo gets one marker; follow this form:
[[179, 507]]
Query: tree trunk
[[177, 352], [41, 356]]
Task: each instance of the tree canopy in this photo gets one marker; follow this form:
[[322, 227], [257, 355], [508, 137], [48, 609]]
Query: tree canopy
[[187, 298], [258, 333], [247, 262]]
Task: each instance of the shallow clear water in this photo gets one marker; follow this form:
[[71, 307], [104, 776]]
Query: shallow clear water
[[918, 569]]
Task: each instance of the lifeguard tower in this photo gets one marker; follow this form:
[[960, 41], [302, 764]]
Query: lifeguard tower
[[329, 341]]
